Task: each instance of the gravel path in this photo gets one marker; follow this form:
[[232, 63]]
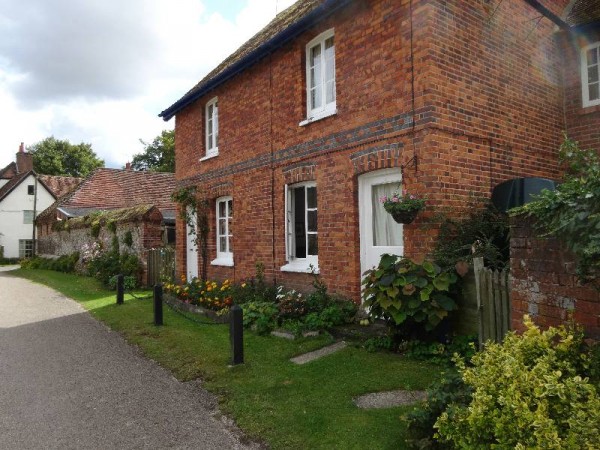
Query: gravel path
[[68, 382]]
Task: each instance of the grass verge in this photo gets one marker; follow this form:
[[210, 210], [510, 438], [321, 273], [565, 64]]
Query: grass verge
[[271, 399]]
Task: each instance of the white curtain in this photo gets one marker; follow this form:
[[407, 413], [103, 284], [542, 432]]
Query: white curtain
[[386, 232]]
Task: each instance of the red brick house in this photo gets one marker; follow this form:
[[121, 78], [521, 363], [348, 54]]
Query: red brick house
[[295, 136]]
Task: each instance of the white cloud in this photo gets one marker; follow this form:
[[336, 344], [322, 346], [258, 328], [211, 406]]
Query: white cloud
[[100, 71]]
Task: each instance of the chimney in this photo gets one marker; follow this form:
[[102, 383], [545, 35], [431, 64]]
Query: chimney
[[127, 165], [24, 160]]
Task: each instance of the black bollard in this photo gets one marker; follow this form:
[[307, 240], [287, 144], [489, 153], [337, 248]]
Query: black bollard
[[236, 334], [158, 306], [120, 289]]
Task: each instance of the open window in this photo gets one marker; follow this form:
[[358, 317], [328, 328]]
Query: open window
[[302, 238]]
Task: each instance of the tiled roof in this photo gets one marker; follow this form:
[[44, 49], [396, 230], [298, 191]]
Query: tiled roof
[[60, 186], [283, 20], [582, 12], [112, 188], [9, 171], [13, 183], [284, 27]]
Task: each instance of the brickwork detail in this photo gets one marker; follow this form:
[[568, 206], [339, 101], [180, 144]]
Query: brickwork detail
[[544, 284], [297, 173]]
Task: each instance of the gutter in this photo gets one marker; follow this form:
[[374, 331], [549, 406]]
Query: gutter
[[323, 11], [548, 14]]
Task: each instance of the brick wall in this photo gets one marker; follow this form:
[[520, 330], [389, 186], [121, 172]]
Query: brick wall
[[582, 124], [145, 235], [487, 107], [544, 284]]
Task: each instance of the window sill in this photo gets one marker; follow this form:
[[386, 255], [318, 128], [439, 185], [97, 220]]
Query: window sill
[[209, 156], [303, 266], [222, 261], [318, 116]]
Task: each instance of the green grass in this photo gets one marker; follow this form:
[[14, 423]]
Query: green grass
[[271, 399]]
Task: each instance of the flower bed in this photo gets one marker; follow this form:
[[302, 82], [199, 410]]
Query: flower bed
[[209, 295], [221, 316]]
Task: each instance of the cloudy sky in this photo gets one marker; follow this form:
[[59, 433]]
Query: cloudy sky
[[100, 71]]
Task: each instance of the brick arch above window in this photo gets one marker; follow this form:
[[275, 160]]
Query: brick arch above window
[[376, 158], [298, 173], [224, 189]]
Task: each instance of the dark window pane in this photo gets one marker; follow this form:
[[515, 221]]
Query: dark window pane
[[594, 91], [223, 244], [311, 197], [312, 221], [592, 56], [299, 222], [313, 245], [592, 74], [30, 190]]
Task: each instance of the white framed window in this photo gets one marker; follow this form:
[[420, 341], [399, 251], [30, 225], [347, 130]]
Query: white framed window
[[590, 74], [25, 248], [28, 216], [301, 228], [211, 127], [320, 77], [224, 236]]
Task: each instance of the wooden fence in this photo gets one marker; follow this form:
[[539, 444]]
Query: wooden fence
[[161, 265], [493, 301]]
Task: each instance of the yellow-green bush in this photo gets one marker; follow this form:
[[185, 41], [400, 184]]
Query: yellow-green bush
[[529, 392]]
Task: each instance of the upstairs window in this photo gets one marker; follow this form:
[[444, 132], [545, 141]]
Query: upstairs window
[[30, 189], [27, 216], [301, 228], [590, 74], [224, 232], [212, 128], [320, 77]]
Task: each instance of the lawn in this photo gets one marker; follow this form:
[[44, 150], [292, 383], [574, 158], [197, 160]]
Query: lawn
[[271, 399]]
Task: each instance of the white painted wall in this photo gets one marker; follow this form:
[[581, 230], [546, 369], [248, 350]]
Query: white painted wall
[[3, 182], [12, 227]]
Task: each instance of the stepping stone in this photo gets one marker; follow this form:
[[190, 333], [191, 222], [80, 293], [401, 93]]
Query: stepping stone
[[389, 399], [311, 356]]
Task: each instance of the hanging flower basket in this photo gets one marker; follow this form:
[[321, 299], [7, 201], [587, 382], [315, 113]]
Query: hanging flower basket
[[404, 206], [406, 216]]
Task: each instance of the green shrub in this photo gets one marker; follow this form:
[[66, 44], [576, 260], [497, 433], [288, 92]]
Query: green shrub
[[406, 293], [128, 239], [450, 390], [129, 282], [531, 391], [441, 352], [64, 263], [108, 264], [481, 231], [260, 316]]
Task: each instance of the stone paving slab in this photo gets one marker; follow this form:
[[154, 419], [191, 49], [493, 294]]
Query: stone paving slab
[[311, 356], [389, 399]]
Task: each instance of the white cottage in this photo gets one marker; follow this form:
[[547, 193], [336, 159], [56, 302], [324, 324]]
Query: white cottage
[[23, 195]]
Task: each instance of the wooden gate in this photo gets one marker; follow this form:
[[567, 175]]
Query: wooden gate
[[161, 265], [493, 302]]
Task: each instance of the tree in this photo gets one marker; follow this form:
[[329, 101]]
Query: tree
[[59, 157], [158, 156]]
